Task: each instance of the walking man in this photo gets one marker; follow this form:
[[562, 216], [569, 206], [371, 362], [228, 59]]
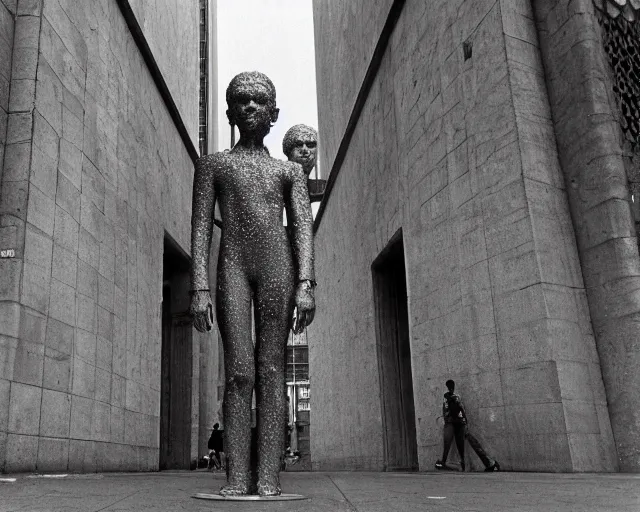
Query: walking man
[[215, 447], [455, 426]]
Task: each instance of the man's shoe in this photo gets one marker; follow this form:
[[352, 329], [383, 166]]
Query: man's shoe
[[494, 467], [439, 464]]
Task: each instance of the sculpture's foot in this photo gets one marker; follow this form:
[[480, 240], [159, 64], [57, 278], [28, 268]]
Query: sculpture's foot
[[236, 490], [271, 488]]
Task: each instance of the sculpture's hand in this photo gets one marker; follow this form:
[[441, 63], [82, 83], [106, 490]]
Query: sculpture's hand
[[201, 310], [305, 307]]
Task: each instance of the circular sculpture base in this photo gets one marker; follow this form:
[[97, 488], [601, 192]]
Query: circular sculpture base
[[248, 497]]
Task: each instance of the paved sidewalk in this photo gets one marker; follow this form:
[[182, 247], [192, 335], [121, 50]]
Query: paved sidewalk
[[330, 492]]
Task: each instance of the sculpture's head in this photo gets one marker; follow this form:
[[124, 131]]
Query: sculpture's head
[[251, 98], [300, 144]]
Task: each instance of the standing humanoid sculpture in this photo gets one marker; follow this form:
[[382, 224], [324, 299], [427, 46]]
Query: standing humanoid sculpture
[[256, 262], [300, 145]]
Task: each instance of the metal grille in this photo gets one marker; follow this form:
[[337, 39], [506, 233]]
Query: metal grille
[[621, 36]]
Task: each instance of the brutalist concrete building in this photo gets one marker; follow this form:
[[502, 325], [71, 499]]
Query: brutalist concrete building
[[480, 224], [99, 128]]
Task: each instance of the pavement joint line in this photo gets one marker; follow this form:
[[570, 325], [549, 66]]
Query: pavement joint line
[[351, 505], [117, 501]]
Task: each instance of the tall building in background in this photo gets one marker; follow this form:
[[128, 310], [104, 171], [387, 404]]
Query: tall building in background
[[298, 395], [478, 224], [211, 361], [100, 368]]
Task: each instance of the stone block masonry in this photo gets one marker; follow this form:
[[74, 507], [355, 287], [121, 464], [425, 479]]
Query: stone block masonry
[[597, 168], [455, 146], [163, 25], [93, 173]]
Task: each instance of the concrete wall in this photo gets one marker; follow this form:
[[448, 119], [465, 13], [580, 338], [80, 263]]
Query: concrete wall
[[7, 22], [338, 28], [7, 25], [171, 28], [461, 155], [94, 173], [592, 154]]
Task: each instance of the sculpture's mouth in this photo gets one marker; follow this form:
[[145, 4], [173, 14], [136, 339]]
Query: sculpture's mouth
[[252, 120]]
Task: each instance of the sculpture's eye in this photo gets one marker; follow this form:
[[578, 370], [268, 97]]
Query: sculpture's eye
[[261, 98], [242, 99]]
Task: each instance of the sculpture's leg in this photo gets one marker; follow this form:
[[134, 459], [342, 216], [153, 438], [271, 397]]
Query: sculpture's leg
[[233, 306], [273, 307]]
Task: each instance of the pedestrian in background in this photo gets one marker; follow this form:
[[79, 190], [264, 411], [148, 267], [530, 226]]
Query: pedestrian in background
[[455, 427], [215, 446]]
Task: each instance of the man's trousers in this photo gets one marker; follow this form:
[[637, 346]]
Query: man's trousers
[[460, 432]]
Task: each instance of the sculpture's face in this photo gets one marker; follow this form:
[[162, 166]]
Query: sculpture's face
[[300, 144], [252, 109], [305, 152]]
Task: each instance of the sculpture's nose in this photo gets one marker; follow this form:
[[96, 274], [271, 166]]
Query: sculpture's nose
[[250, 106]]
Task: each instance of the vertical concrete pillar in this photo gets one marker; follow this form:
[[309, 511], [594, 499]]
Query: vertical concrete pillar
[[22, 273], [590, 151], [7, 232]]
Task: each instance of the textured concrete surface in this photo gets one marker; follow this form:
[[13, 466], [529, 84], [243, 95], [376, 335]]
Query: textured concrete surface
[[94, 174], [172, 30], [597, 166], [460, 155], [333, 492], [359, 24], [7, 22]]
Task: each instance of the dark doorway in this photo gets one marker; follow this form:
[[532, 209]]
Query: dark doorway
[[177, 361], [394, 358]]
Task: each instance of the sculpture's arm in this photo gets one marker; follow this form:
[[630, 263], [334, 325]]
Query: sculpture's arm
[[201, 226], [301, 224]]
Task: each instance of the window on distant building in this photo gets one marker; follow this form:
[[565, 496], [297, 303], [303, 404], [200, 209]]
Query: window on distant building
[[297, 364]]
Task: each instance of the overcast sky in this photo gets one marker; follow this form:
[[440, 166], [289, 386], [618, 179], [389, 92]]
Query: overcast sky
[[274, 37]]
